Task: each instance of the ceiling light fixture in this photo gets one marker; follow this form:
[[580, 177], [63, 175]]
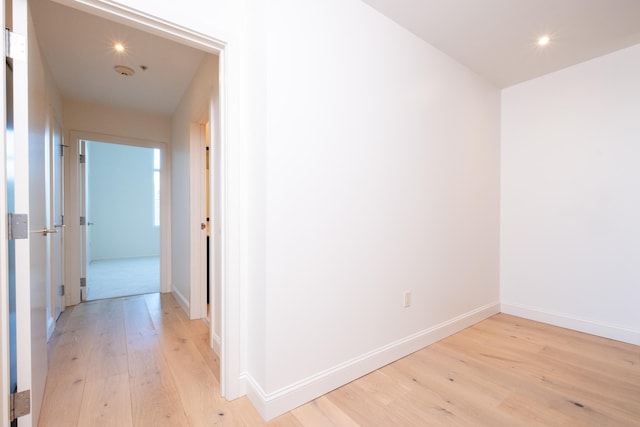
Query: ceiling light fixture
[[118, 47], [544, 40], [123, 70]]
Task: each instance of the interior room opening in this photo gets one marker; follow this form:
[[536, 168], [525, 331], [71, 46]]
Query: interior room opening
[[122, 214]]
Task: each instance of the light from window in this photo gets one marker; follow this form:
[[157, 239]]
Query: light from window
[[156, 187]]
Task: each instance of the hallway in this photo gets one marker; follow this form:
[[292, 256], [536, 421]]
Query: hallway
[[134, 361]]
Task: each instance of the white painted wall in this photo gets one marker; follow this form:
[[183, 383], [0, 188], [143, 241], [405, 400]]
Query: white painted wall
[[255, 336], [101, 119], [359, 162], [570, 203], [121, 202], [187, 153], [382, 176]]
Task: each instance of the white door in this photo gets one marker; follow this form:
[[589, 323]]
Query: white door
[[25, 257], [55, 220], [203, 295]]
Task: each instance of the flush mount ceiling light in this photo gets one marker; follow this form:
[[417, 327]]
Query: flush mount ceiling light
[[544, 40], [124, 71], [119, 47]]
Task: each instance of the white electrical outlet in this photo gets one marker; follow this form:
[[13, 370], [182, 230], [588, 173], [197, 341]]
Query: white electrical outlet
[[407, 299]]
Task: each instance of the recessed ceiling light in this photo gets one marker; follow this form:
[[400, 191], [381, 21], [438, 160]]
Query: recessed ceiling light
[[544, 40], [118, 47]]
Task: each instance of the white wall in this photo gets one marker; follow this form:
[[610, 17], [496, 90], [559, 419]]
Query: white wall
[[359, 163], [187, 153], [570, 202], [121, 202], [382, 176], [94, 118]]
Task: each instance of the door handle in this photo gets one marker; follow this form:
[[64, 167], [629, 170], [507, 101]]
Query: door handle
[[45, 231]]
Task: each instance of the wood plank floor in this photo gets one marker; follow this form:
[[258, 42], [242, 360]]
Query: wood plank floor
[[139, 361]]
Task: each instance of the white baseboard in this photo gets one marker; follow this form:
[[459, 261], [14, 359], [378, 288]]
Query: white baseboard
[[216, 344], [51, 326], [184, 303], [602, 329], [270, 405]]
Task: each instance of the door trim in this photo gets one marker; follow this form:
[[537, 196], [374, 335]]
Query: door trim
[[232, 74], [73, 208]]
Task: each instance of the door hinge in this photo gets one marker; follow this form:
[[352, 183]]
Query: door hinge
[[82, 158], [61, 290], [20, 404], [18, 226], [83, 289], [83, 220], [15, 45]]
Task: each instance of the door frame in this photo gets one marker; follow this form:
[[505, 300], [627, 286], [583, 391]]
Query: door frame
[[231, 134], [73, 205], [233, 219], [199, 284], [233, 191]]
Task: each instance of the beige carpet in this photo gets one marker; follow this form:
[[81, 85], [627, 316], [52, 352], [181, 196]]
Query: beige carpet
[[122, 277]]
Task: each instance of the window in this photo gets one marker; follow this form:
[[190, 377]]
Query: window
[[156, 187]]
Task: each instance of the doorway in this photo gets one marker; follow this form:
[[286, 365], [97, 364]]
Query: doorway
[[226, 227], [121, 232]]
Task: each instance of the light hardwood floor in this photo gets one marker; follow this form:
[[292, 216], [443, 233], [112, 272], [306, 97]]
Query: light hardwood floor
[[138, 361]]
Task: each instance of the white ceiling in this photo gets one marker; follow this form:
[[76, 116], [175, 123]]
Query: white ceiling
[[497, 38], [78, 48]]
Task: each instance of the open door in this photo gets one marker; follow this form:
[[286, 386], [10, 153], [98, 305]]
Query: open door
[[55, 220], [202, 299], [121, 211], [24, 241]]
